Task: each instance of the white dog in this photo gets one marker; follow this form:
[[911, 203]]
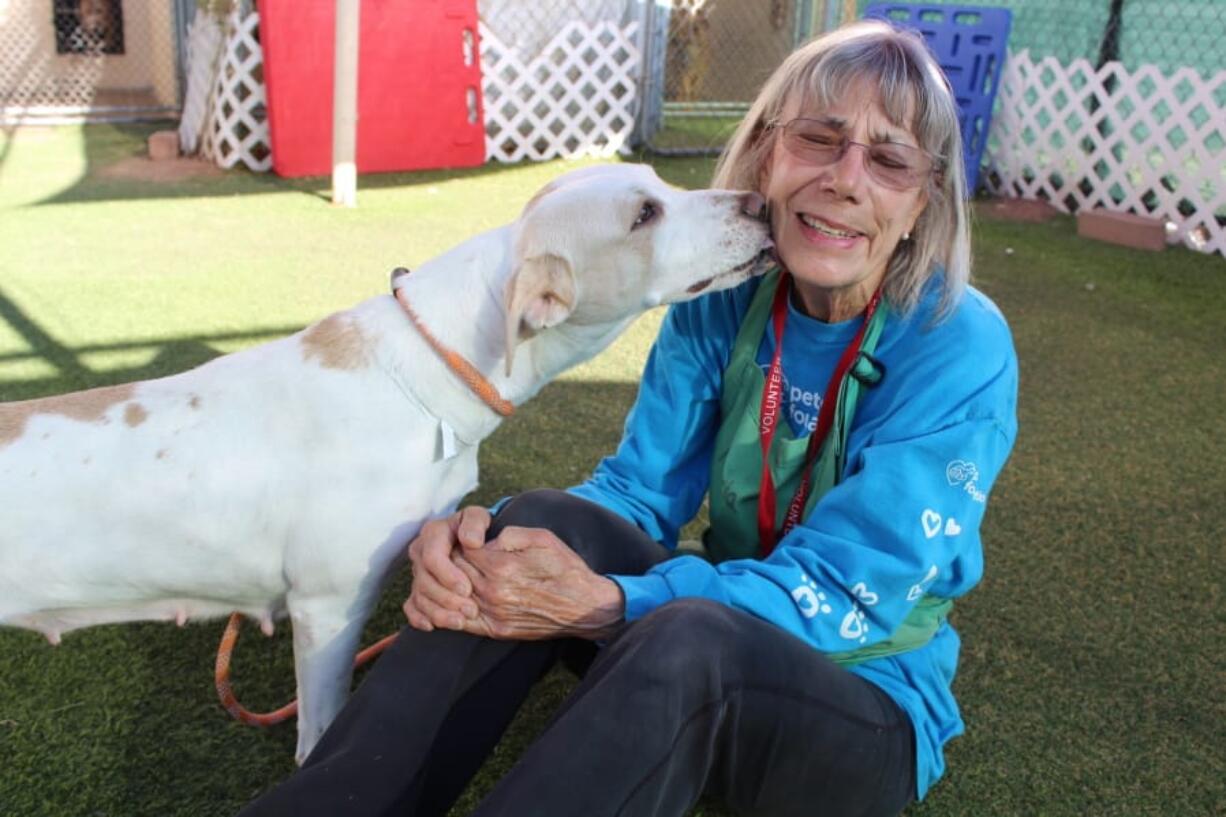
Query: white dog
[[289, 477]]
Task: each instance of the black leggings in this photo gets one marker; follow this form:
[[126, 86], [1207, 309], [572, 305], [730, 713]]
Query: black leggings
[[694, 698]]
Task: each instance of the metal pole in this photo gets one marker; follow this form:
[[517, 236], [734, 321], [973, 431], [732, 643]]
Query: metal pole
[[345, 105]]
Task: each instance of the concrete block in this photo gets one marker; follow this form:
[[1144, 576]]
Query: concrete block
[[164, 144], [1029, 211], [1127, 229]]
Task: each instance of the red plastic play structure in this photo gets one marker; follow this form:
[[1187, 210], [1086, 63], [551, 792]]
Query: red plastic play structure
[[419, 85]]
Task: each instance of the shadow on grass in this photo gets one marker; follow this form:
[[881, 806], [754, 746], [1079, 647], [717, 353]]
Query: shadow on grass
[[106, 145], [173, 355]]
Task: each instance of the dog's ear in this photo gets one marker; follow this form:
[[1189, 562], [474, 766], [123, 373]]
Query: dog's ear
[[540, 294]]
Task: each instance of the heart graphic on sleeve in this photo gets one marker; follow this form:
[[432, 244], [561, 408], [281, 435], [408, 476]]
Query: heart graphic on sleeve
[[952, 528], [861, 591], [931, 520]]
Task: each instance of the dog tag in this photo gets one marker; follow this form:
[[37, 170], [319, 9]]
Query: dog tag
[[448, 435]]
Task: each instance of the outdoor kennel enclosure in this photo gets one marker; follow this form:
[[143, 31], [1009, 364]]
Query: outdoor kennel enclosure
[[1119, 104]]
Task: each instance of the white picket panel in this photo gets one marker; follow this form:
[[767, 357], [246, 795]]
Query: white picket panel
[[237, 128], [1139, 141], [576, 97]]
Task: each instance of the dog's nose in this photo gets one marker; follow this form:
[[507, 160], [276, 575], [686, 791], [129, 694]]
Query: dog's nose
[[754, 206]]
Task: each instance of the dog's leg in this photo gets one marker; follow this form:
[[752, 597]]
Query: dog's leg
[[326, 633]]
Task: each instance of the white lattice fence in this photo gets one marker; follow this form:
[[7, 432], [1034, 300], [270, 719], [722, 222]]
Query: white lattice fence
[[236, 128], [576, 98], [1139, 141]]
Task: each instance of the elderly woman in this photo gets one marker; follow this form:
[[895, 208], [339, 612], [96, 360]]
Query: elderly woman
[[846, 417]]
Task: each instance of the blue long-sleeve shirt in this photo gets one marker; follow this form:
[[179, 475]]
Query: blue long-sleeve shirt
[[926, 446]]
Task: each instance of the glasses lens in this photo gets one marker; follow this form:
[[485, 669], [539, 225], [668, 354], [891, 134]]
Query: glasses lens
[[897, 165], [890, 163], [813, 141]]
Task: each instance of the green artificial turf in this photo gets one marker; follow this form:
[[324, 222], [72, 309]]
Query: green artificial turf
[[697, 134], [1092, 678]]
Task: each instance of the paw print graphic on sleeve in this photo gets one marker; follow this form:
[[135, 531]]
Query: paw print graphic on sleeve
[[854, 626], [809, 599]]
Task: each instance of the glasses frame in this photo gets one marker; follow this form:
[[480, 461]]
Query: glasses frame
[[936, 164]]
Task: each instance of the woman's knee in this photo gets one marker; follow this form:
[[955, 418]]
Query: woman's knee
[[540, 508], [689, 640], [605, 541]]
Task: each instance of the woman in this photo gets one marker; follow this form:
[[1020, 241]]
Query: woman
[[804, 666]]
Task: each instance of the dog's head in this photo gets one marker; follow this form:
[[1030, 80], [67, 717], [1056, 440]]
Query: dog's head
[[601, 244]]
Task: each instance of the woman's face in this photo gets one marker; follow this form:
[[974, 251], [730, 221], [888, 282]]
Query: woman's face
[[836, 226]]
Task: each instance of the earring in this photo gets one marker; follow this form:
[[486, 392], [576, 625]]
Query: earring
[[906, 236]]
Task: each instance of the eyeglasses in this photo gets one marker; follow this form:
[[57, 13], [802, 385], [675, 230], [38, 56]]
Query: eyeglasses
[[893, 164]]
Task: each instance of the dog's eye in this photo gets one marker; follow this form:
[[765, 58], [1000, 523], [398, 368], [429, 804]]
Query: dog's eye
[[647, 214]]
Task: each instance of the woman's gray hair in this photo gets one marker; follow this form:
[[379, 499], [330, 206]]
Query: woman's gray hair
[[914, 94]]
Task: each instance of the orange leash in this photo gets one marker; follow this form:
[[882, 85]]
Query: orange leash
[[225, 692]]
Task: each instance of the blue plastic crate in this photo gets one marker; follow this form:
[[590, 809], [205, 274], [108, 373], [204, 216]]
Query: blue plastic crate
[[969, 42]]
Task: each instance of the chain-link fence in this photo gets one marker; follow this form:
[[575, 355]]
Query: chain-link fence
[[708, 59], [72, 60], [1170, 34], [700, 61]]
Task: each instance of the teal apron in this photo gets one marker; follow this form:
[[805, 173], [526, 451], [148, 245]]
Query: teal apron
[[736, 466]]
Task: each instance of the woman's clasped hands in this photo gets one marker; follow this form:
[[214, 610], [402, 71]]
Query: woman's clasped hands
[[523, 584]]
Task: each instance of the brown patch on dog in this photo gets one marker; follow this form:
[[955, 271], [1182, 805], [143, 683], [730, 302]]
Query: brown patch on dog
[[12, 422], [87, 406], [134, 414], [336, 342]]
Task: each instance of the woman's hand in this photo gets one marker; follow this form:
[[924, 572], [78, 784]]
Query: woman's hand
[[441, 595], [528, 585]]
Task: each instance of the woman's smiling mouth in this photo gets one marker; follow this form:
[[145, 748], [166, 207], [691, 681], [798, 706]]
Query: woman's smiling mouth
[[827, 233]]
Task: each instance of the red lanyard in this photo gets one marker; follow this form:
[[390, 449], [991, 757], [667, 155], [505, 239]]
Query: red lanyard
[[768, 419]]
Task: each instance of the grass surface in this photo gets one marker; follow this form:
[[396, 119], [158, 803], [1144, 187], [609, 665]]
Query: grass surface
[[1092, 677], [706, 134]]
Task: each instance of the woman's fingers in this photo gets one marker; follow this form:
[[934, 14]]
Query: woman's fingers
[[474, 523], [431, 552], [440, 595], [416, 618], [433, 596]]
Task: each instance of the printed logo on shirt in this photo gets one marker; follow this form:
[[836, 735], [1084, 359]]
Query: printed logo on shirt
[[800, 405], [965, 474]]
